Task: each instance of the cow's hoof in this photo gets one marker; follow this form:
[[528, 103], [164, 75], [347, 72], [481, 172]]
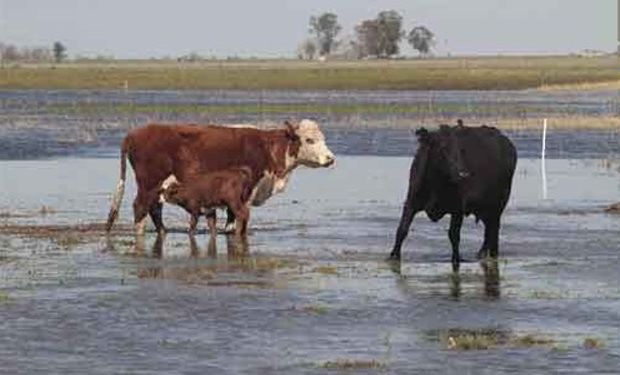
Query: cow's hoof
[[393, 257]]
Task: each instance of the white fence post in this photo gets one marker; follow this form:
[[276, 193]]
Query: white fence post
[[543, 169]]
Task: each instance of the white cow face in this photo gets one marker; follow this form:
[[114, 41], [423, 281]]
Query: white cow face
[[313, 151]]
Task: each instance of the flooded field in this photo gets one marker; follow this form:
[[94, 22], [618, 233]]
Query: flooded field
[[42, 124], [310, 292]]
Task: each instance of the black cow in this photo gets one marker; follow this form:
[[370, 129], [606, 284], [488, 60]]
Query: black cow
[[460, 171]]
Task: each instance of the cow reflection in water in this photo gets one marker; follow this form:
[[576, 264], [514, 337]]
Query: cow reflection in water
[[206, 264], [490, 273]]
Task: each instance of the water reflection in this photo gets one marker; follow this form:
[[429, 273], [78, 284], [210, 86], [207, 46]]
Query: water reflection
[[203, 266], [457, 282]]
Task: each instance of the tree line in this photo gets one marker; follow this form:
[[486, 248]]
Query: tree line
[[378, 37], [12, 53]]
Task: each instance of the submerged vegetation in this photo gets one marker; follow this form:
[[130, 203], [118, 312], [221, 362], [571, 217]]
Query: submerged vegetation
[[470, 73]]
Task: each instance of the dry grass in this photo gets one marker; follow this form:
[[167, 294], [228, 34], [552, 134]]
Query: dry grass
[[588, 86], [480, 73]]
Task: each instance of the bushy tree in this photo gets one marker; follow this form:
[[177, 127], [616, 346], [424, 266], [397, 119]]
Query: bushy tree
[[421, 39], [380, 36], [325, 27], [390, 32], [60, 52], [367, 35]]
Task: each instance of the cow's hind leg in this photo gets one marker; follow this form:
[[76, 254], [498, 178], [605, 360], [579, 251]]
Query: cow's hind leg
[[140, 210], [456, 221], [230, 221], [155, 212]]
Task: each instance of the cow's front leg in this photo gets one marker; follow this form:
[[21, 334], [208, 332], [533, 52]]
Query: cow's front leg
[[403, 229], [456, 221], [230, 221]]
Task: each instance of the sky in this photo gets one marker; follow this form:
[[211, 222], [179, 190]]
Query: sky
[[274, 28]]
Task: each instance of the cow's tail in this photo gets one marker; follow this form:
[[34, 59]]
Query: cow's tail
[[120, 188]]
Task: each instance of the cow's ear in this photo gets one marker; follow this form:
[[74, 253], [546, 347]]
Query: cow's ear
[[422, 135], [291, 130]]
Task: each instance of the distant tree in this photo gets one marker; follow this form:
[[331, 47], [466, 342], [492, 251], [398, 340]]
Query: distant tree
[[307, 49], [60, 52], [367, 35], [390, 32], [421, 39], [39, 54], [326, 28], [9, 52]]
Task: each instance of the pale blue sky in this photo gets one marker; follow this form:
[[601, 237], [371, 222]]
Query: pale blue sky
[[271, 28]]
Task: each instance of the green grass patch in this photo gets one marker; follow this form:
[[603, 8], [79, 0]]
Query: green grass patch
[[438, 109], [473, 73]]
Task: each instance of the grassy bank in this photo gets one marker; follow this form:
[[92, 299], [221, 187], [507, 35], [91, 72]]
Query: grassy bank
[[476, 73]]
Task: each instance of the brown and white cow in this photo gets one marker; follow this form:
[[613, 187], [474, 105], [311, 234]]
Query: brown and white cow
[[158, 151]]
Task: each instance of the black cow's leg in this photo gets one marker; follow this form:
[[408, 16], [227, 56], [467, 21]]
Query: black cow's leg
[[493, 242], [456, 220], [491, 238], [403, 229], [155, 212]]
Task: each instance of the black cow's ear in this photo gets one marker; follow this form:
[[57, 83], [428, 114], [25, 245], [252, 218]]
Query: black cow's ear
[[422, 135]]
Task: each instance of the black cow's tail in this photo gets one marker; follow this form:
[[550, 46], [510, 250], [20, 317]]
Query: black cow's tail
[[120, 188]]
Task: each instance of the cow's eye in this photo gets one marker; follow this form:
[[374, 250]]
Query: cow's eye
[[310, 141]]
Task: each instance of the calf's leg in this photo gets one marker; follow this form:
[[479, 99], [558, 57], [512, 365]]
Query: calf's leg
[[211, 220], [456, 221], [242, 212], [193, 223]]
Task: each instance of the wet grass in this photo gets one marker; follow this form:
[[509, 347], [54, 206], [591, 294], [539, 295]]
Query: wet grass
[[470, 73], [326, 270], [353, 364], [316, 309], [593, 343], [489, 338], [426, 108], [4, 296]]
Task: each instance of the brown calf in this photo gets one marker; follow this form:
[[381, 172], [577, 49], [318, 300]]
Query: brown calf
[[230, 188]]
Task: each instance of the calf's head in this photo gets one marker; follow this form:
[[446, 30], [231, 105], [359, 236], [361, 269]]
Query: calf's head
[[169, 190], [312, 150]]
